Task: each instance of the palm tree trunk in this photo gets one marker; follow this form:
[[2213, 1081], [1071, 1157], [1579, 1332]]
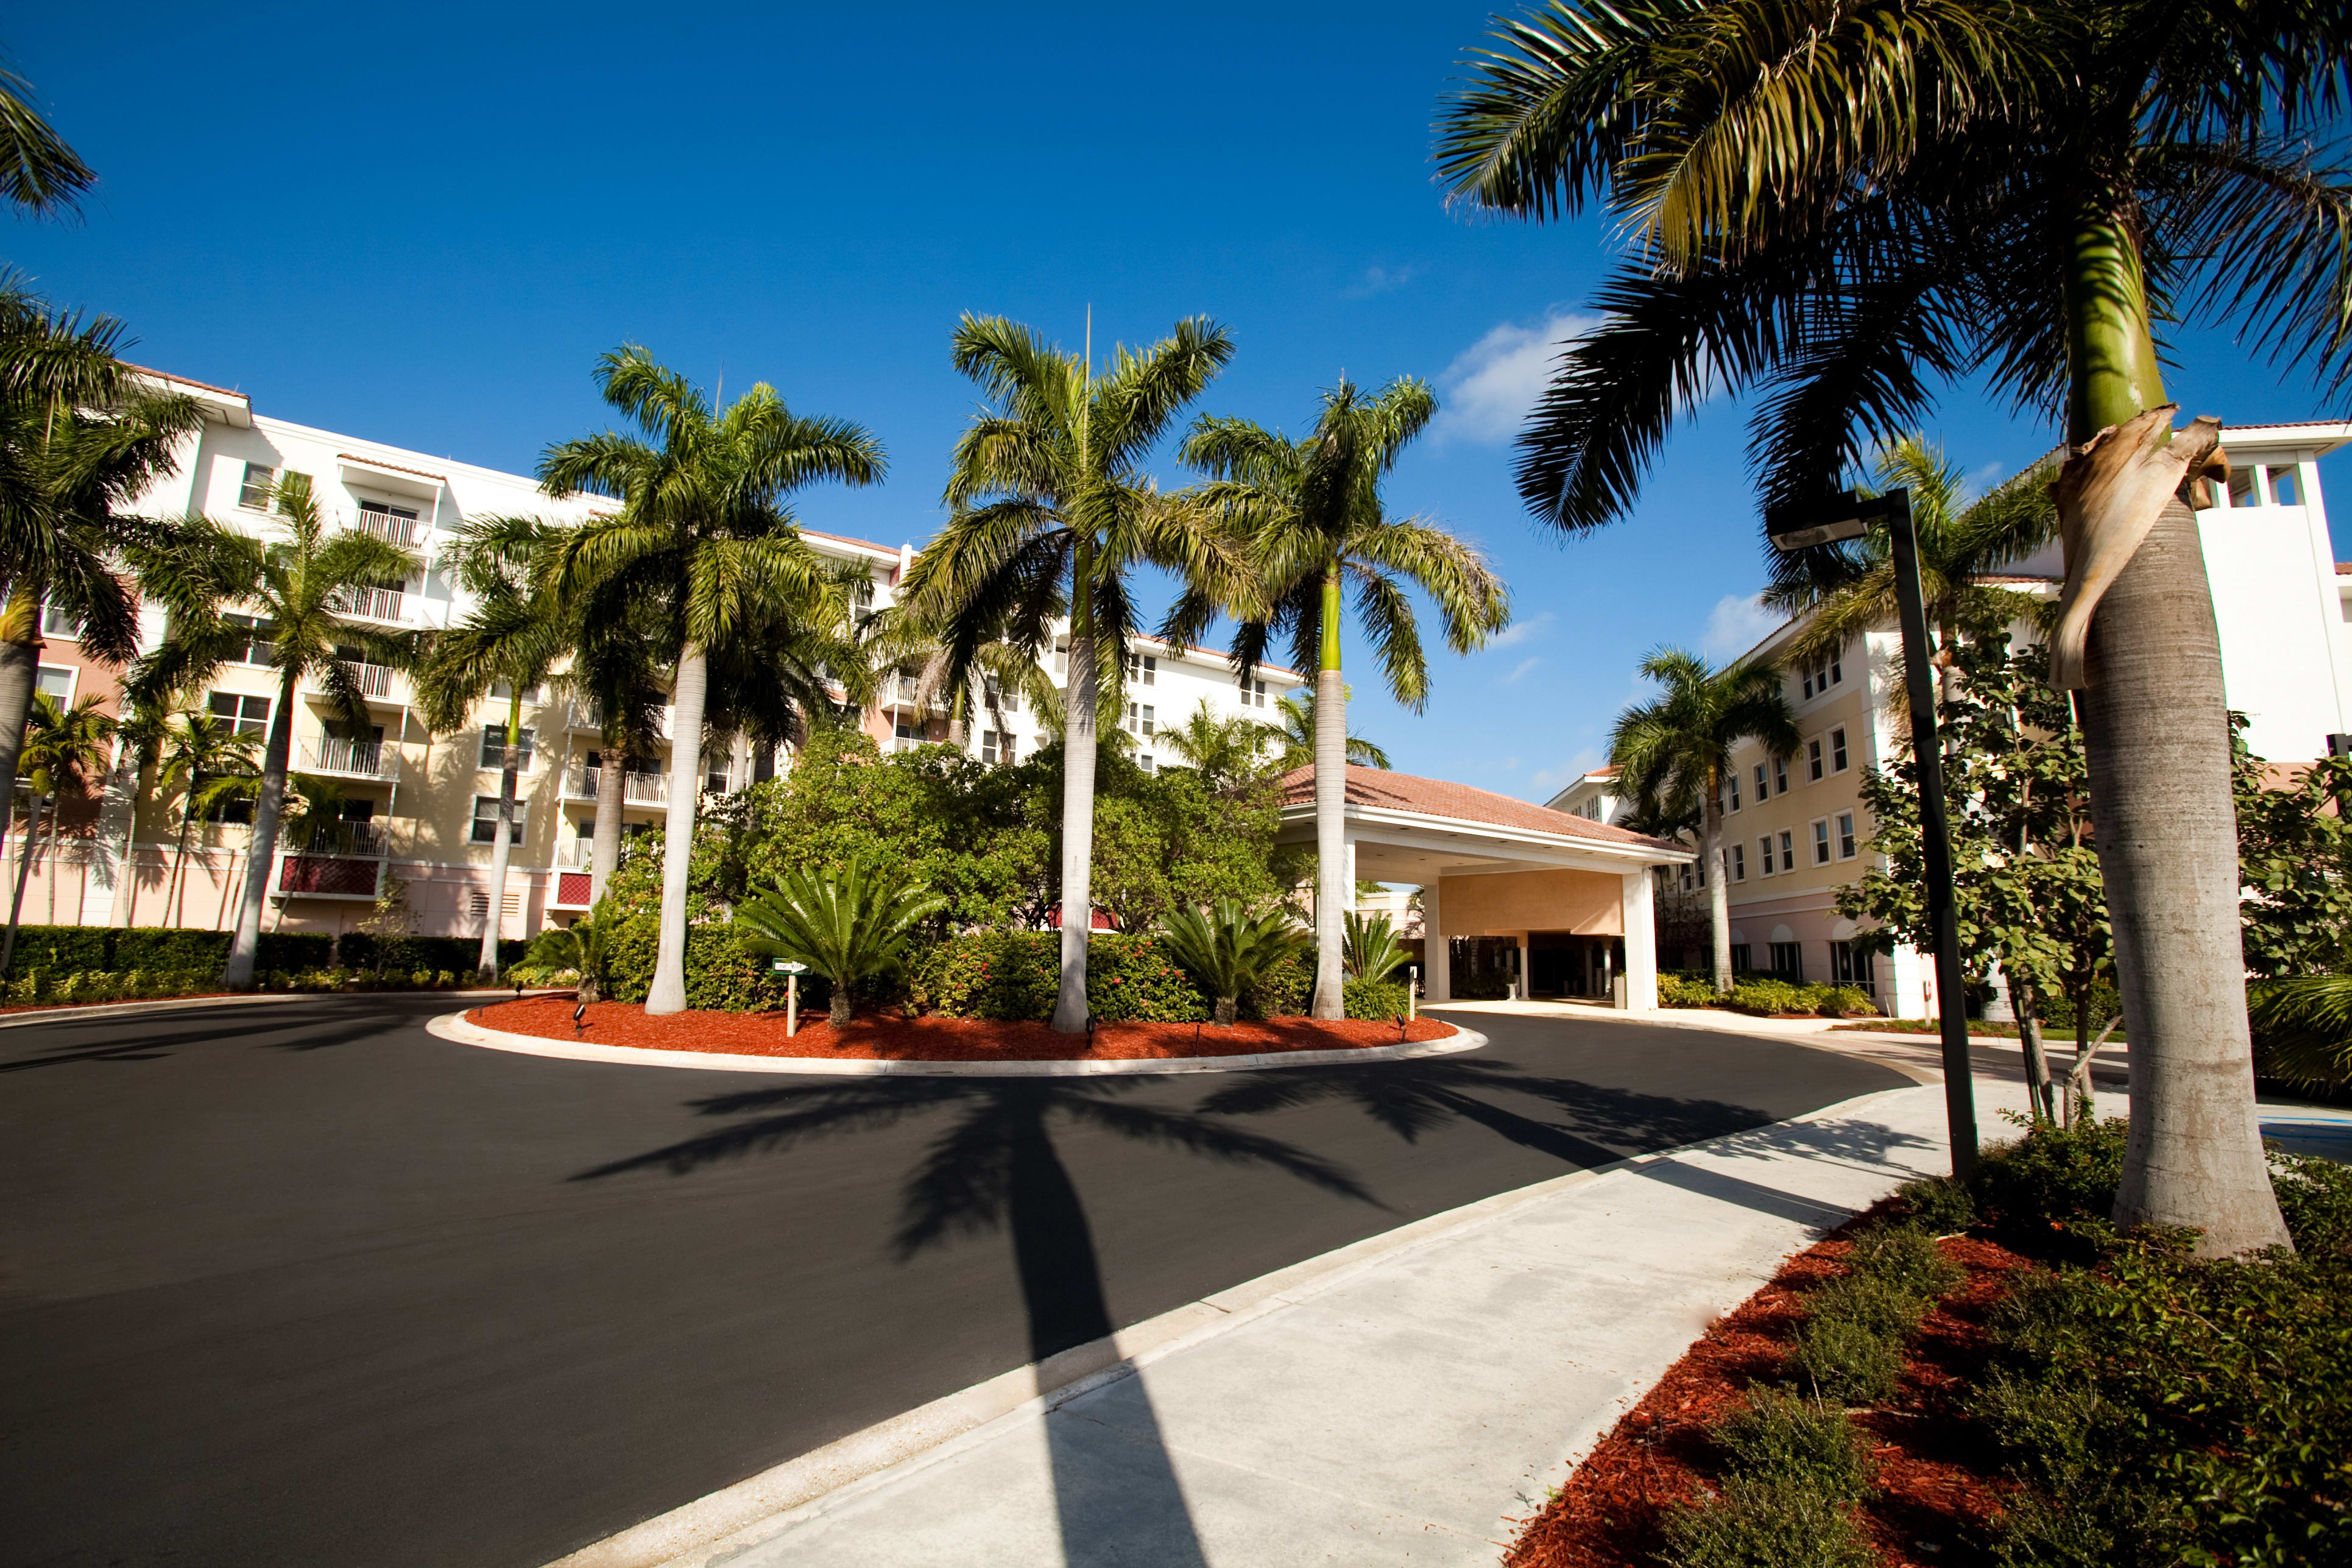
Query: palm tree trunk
[[175, 903], [2155, 728], [1333, 891], [23, 870], [268, 801], [1078, 703], [612, 796], [49, 850], [1719, 891], [501, 843], [668, 993], [20, 662]]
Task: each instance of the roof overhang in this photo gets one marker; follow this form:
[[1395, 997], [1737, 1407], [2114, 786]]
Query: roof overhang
[[381, 476], [1452, 846]]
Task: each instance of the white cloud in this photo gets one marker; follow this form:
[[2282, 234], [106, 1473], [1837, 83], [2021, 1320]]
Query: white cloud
[[1487, 392], [1738, 622], [1983, 479], [1524, 665], [1518, 632], [1380, 280]]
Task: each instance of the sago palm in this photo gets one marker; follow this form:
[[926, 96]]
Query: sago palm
[[1837, 210], [1229, 948], [65, 750], [1373, 952], [852, 925], [298, 583], [1318, 529], [1051, 512], [705, 546], [1673, 754], [512, 636]]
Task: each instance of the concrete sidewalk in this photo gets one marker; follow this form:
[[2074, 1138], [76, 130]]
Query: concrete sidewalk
[[1406, 1401]]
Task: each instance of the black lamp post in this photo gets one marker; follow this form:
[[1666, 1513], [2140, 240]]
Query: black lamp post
[[1848, 515]]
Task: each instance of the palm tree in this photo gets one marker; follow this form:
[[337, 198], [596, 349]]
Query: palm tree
[[1849, 589], [1229, 950], [513, 637], [620, 670], [300, 589], [1052, 511], [1673, 754], [65, 749], [704, 547], [851, 926], [1222, 750], [1313, 511], [1842, 208], [1373, 952], [1295, 737], [38, 171], [212, 763]]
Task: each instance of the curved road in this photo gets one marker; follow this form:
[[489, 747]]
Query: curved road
[[302, 1284]]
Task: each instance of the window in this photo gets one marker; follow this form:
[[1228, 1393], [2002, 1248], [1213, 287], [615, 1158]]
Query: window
[[395, 525], [1740, 862], [1845, 836], [1142, 669], [1850, 964], [862, 594], [1788, 960], [1813, 759], [999, 700], [500, 691], [1686, 878], [494, 748], [1732, 784], [485, 822], [1253, 693], [1740, 960], [1837, 669], [1837, 750], [717, 773], [1821, 842], [1762, 792], [1809, 684], [1141, 719], [906, 734], [57, 621], [1780, 775], [55, 682], [1146, 763], [1787, 851], [254, 494], [256, 651], [1061, 656], [241, 715], [995, 747], [1764, 854]]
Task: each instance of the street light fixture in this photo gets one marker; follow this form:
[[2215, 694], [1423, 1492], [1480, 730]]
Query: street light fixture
[[1846, 515]]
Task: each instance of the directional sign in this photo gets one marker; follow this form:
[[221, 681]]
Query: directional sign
[[786, 966]]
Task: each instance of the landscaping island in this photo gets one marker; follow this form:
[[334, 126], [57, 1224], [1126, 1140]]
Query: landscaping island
[[892, 1037]]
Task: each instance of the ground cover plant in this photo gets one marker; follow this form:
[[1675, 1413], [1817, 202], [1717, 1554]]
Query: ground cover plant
[[2028, 1387]]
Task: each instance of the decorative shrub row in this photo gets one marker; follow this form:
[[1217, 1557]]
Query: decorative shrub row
[[1013, 976], [40, 987], [401, 954], [112, 950], [1373, 998], [722, 975]]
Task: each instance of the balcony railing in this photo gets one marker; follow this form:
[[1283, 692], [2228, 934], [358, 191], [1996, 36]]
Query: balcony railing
[[638, 789], [398, 531], [373, 680], [362, 840], [351, 759], [372, 604], [590, 716], [575, 854]]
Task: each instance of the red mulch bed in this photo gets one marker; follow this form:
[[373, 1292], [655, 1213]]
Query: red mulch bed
[[1658, 1457], [888, 1036]]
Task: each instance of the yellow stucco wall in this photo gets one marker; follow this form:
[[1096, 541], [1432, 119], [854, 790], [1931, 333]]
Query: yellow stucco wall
[[1585, 902]]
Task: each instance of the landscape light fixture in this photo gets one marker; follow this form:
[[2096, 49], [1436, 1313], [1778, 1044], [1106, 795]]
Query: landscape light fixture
[[1846, 515]]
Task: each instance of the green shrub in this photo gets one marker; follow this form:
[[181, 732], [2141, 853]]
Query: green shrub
[[1766, 1524], [1780, 1437], [721, 974], [1003, 975], [458, 954], [1765, 998], [1135, 979], [1846, 1002], [1283, 991], [443, 980], [2062, 1175], [1844, 1360], [1374, 998], [1939, 1204], [1878, 1306], [1685, 990], [1905, 1257], [2041, 1426], [2316, 1197], [2058, 1013]]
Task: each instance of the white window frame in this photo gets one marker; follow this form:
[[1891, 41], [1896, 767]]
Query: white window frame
[[1780, 775], [1816, 767], [1848, 845], [1787, 849], [246, 487], [1765, 844], [241, 723], [493, 754], [1824, 850], [1732, 781], [1839, 761], [1738, 862], [515, 830]]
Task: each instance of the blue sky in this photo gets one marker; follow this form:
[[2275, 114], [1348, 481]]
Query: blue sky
[[423, 224]]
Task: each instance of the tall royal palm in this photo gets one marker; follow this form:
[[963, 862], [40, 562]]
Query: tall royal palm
[[298, 583], [1313, 514], [1841, 209], [704, 547], [512, 637], [1052, 512], [39, 172], [1672, 755], [1294, 738], [207, 763], [65, 750]]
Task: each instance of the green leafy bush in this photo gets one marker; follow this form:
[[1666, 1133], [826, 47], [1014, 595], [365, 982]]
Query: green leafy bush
[[1939, 1204], [1374, 998], [1766, 1524], [1904, 1257], [721, 974], [1778, 1437], [2062, 1175], [1766, 998], [1135, 979], [1845, 1360], [1228, 947], [1845, 1001], [1007, 976], [1283, 991], [2058, 1011], [1685, 990], [458, 954]]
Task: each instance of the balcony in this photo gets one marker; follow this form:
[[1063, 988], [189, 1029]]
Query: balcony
[[636, 789], [371, 604], [332, 861], [397, 531], [363, 840], [373, 680], [351, 759], [575, 854]]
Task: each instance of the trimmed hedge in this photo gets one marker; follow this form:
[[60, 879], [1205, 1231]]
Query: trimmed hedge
[[722, 975], [1373, 998], [358, 950], [1013, 976], [65, 950]]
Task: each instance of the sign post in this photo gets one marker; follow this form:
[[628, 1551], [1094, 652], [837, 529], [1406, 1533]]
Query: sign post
[[792, 971]]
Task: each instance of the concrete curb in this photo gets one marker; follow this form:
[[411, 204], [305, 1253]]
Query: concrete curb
[[704, 1533], [170, 1004], [454, 1026]]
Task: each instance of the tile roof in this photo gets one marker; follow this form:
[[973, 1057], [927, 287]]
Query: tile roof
[[394, 468], [1388, 791], [182, 380]]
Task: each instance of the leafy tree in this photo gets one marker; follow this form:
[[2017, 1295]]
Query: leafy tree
[[852, 925], [1166, 840], [1317, 524], [299, 587], [1841, 209], [2295, 858], [1672, 755], [65, 750], [583, 946], [38, 171], [1226, 750], [2027, 890], [1051, 512], [705, 545], [1229, 949]]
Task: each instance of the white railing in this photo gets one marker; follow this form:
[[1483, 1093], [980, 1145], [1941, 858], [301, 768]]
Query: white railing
[[353, 759], [373, 680], [398, 531], [575, 854], [636, 789], [372, 604], [363, 840]]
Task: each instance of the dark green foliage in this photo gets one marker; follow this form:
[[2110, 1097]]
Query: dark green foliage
[[1374, 998], [1135, 979], [396, 955], [2065, 1174], [721, 973], [1904, 1258], [1849, 1359], [2295, 859], [1939, 1204], [1778, 1437], [1283, 991], [2315, 1197], [1766, 1524], [1228, 948], [2106, 1001], [63, 950], [1011, 976]]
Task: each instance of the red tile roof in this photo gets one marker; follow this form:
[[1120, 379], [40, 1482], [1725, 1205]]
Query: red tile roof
[[182, 380], [394, 468], [1437, 797]]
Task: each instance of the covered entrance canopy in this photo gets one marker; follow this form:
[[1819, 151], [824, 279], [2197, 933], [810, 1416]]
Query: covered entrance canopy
[[1566, 889]]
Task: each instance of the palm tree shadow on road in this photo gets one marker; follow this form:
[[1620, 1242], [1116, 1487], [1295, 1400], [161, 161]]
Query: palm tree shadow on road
[[996, 1167]]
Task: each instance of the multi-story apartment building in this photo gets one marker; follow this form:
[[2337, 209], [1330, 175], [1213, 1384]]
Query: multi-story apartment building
[[422, 807], [1795, 827]]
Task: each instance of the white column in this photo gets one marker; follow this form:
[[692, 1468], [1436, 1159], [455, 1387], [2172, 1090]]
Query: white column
[[1437, 973], [1526, 966], [1350, 841], [1634, 901]]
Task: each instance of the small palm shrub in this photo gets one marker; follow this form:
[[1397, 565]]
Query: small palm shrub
[[1369, 949], [1227, 948], [2303, 1029], [852, 926], [584, 948]]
